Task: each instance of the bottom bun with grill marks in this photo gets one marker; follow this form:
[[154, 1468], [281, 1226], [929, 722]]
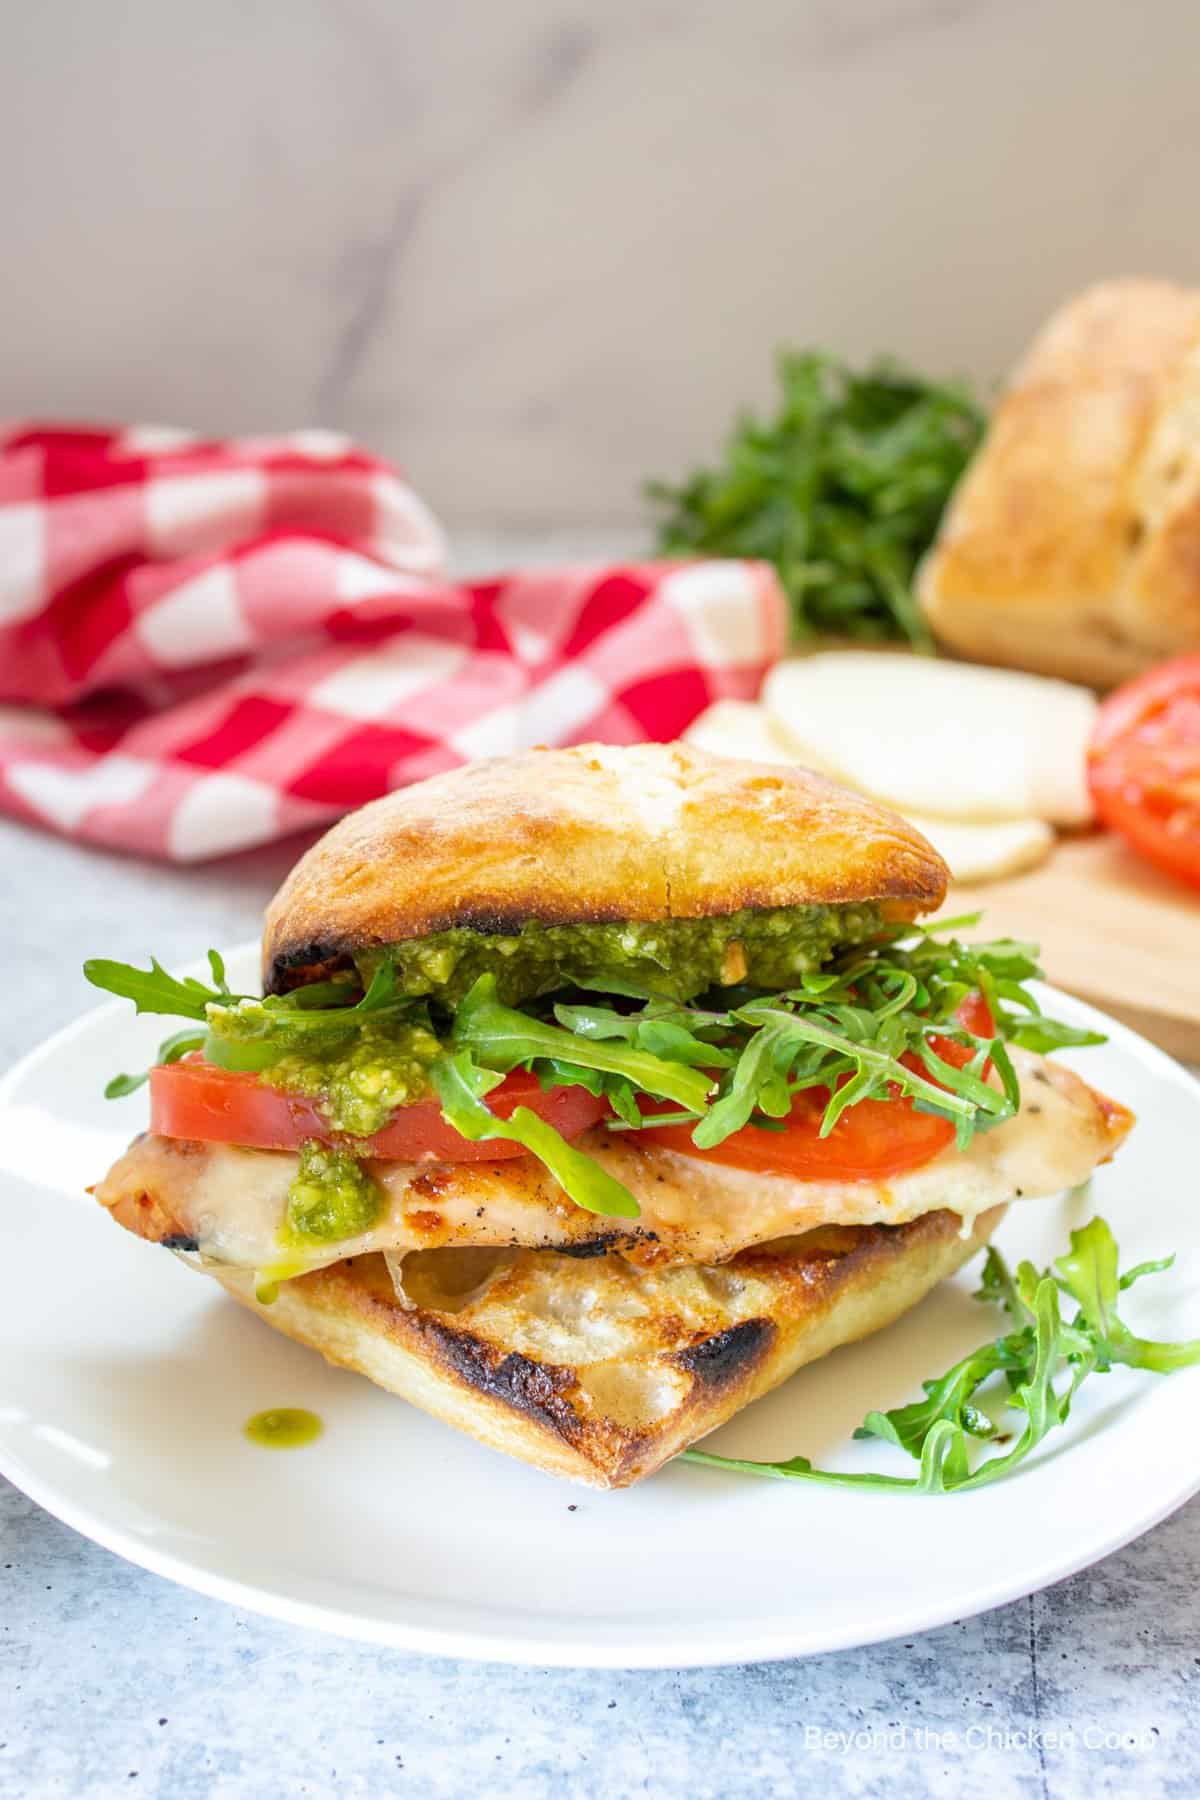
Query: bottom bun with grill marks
[[592, 1369]]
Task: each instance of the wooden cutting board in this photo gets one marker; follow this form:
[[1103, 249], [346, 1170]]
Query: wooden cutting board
[[1112, 930]]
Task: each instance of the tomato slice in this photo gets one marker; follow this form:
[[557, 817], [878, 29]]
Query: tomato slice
[[195, 1099], [871, 1140], [1144, 765]]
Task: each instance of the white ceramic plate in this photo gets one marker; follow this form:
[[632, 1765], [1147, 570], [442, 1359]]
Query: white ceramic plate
[[125, 1380]]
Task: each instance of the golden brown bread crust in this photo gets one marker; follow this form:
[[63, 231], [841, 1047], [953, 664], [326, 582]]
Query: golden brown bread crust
[[1072, 545], [597, 832], [594, 1370]]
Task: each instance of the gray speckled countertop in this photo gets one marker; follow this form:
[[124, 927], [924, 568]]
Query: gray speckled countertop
[[112, 1681]]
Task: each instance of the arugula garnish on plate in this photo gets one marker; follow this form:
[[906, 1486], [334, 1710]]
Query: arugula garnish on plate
[[1039, 1366], [842, 490]]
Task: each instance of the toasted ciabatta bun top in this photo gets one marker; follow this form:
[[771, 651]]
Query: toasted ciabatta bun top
[[594, 833]]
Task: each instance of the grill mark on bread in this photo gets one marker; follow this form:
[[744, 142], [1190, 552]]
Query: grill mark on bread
[[538, 1390], [300, 964], [727, 1357]]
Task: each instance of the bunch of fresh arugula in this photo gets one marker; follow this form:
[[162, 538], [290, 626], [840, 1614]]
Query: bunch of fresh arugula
[[842, 490], [874, 1022], [1039, 1365]]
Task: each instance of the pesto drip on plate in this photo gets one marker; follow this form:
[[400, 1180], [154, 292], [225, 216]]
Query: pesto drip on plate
[[283, 1428], [672, 958]]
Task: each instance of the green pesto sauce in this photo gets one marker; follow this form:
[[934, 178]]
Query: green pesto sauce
[[283, 1428], [677, 958], [361, 1083], [357, 1072], [332, 1197]]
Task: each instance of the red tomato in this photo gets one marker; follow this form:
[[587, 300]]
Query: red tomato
[[1144, 765], [974, 1015], [871, 1140], [195, 1099]]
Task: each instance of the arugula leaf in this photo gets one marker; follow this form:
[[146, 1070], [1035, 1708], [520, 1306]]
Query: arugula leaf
[[380, 993], [216, 963], [597, 1022], [660, 1027], [1088, 1272], [665, 1038], [1031, 1358], [1047, 1035], [288, 1021], [997, 1285], [612, 981], [621, 1093], [502, 1038], [758, 1082], [950, 1397], [461, 1084], [120, 1085], [152, 990], [842, 490], [1145, 1268], [876, 1002]]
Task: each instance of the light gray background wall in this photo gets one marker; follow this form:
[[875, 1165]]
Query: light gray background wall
[[538, 251]]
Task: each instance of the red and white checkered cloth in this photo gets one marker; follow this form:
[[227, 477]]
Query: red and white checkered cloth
[[205, 645]]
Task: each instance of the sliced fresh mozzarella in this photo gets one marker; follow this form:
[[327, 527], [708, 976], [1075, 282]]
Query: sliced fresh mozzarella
[[986, 852], [739, 728], [229, 1203], [973, 852], [944, 739]]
